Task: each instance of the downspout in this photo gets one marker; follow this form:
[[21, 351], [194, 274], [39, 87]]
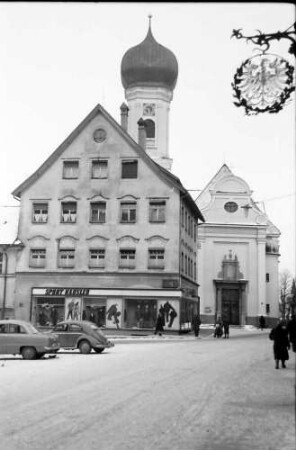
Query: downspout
[[5, 283]]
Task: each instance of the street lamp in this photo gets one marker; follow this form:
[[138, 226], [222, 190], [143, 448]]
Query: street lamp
[[264, 82]]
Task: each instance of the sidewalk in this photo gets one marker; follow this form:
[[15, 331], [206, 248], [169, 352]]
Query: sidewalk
[[206, 332]]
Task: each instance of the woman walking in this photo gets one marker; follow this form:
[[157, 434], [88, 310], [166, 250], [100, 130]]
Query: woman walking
[[281, 344]]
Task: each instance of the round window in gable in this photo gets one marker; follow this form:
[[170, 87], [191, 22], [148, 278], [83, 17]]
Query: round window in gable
[[99, 135], [231, 207]]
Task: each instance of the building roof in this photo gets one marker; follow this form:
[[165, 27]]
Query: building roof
[[149, 64], [9, 216], [161, 171]]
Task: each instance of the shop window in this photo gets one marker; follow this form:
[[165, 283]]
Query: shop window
[[70, 169], [157, 210], [98, 212], [129, 169], [127, 258], [156, 259], [99, 169], [66, 258], [40, 212], [69, 212], [37, 257], [128, 212], [97, 258]]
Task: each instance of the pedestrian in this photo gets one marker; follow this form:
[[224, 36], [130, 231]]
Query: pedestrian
[[159, 325], [226, 329], [196, 322], [281, 345], [218, 328], [291, 327], [261, 323]]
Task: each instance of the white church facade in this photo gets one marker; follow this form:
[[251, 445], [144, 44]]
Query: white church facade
[[238, 254]]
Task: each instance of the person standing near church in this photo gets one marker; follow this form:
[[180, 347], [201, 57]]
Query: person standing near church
[[281, 345]]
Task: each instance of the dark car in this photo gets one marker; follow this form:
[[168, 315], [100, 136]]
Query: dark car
[[81, 334], [18, 337]]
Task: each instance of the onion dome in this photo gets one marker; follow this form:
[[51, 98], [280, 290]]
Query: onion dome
[[149, 64]]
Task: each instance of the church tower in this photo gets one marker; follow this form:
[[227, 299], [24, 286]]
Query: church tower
[[149, 73]]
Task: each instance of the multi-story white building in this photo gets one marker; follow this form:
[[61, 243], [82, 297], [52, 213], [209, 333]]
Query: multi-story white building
[[109, 233], [238, 254]]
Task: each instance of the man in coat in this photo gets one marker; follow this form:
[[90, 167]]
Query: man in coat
[[281, 345], [292, 331]]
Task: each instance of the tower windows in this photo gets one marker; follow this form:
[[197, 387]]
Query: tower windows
[[150, 128]]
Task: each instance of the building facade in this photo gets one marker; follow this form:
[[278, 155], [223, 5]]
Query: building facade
[[109, 233], [238, 254]]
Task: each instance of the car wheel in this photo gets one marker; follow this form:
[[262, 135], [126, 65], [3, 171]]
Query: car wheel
[[40, 355], [99, 350], [29, 353], [84, 347]]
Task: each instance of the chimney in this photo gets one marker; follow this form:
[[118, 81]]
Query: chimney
[[142, 133], [124, 116]]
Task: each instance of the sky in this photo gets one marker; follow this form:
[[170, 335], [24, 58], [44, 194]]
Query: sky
[[59, 60]]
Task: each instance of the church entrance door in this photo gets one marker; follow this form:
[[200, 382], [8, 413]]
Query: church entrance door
[[230, 306]]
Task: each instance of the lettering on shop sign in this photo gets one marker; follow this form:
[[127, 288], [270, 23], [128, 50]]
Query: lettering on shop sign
[[73, 292]]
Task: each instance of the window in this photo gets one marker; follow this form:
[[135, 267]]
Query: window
[[129, 169], [267, 277], [157, 211], [182, 216], [128, 212], [97, 258], [98, 212], [69, 212], [127, 258], [182, 262], [186, 221], [40, 212], [99, 169], [37, 257], [1, 262], [70, 169], [267, 308], [66, 258], [150, 128], [231, 207], [156, 258], [194, 231]]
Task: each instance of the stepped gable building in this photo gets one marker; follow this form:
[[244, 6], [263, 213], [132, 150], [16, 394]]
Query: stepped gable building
[[238, 254], [109, 233]]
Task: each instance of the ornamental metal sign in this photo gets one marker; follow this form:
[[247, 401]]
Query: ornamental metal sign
[[263, 83]]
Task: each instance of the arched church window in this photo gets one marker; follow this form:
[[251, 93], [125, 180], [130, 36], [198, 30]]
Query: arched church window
[[150, 129]]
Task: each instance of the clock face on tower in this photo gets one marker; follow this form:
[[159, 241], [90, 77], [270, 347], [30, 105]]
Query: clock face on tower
[[149, 109]]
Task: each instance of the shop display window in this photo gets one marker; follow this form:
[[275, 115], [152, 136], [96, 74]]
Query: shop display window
[[47, 312]]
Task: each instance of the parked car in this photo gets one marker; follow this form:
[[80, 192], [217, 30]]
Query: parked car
[[18, 337], [81, 334]]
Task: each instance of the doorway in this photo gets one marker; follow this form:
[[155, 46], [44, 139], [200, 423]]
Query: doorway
[[230, 306]]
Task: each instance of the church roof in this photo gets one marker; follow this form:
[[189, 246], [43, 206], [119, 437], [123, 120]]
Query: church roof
[[149, 64], [162, 172]]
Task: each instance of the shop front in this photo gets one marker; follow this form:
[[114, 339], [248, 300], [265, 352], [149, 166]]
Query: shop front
[[110, 308]]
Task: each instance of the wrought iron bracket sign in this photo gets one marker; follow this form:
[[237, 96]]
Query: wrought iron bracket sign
[[264, 83]]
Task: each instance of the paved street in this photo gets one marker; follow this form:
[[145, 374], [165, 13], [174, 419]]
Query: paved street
[[182, 394]]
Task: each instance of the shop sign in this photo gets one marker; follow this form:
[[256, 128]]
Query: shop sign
[[73, 292]]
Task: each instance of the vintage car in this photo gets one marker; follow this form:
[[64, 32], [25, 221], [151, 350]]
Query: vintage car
[[18, 337], [82, 335]]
